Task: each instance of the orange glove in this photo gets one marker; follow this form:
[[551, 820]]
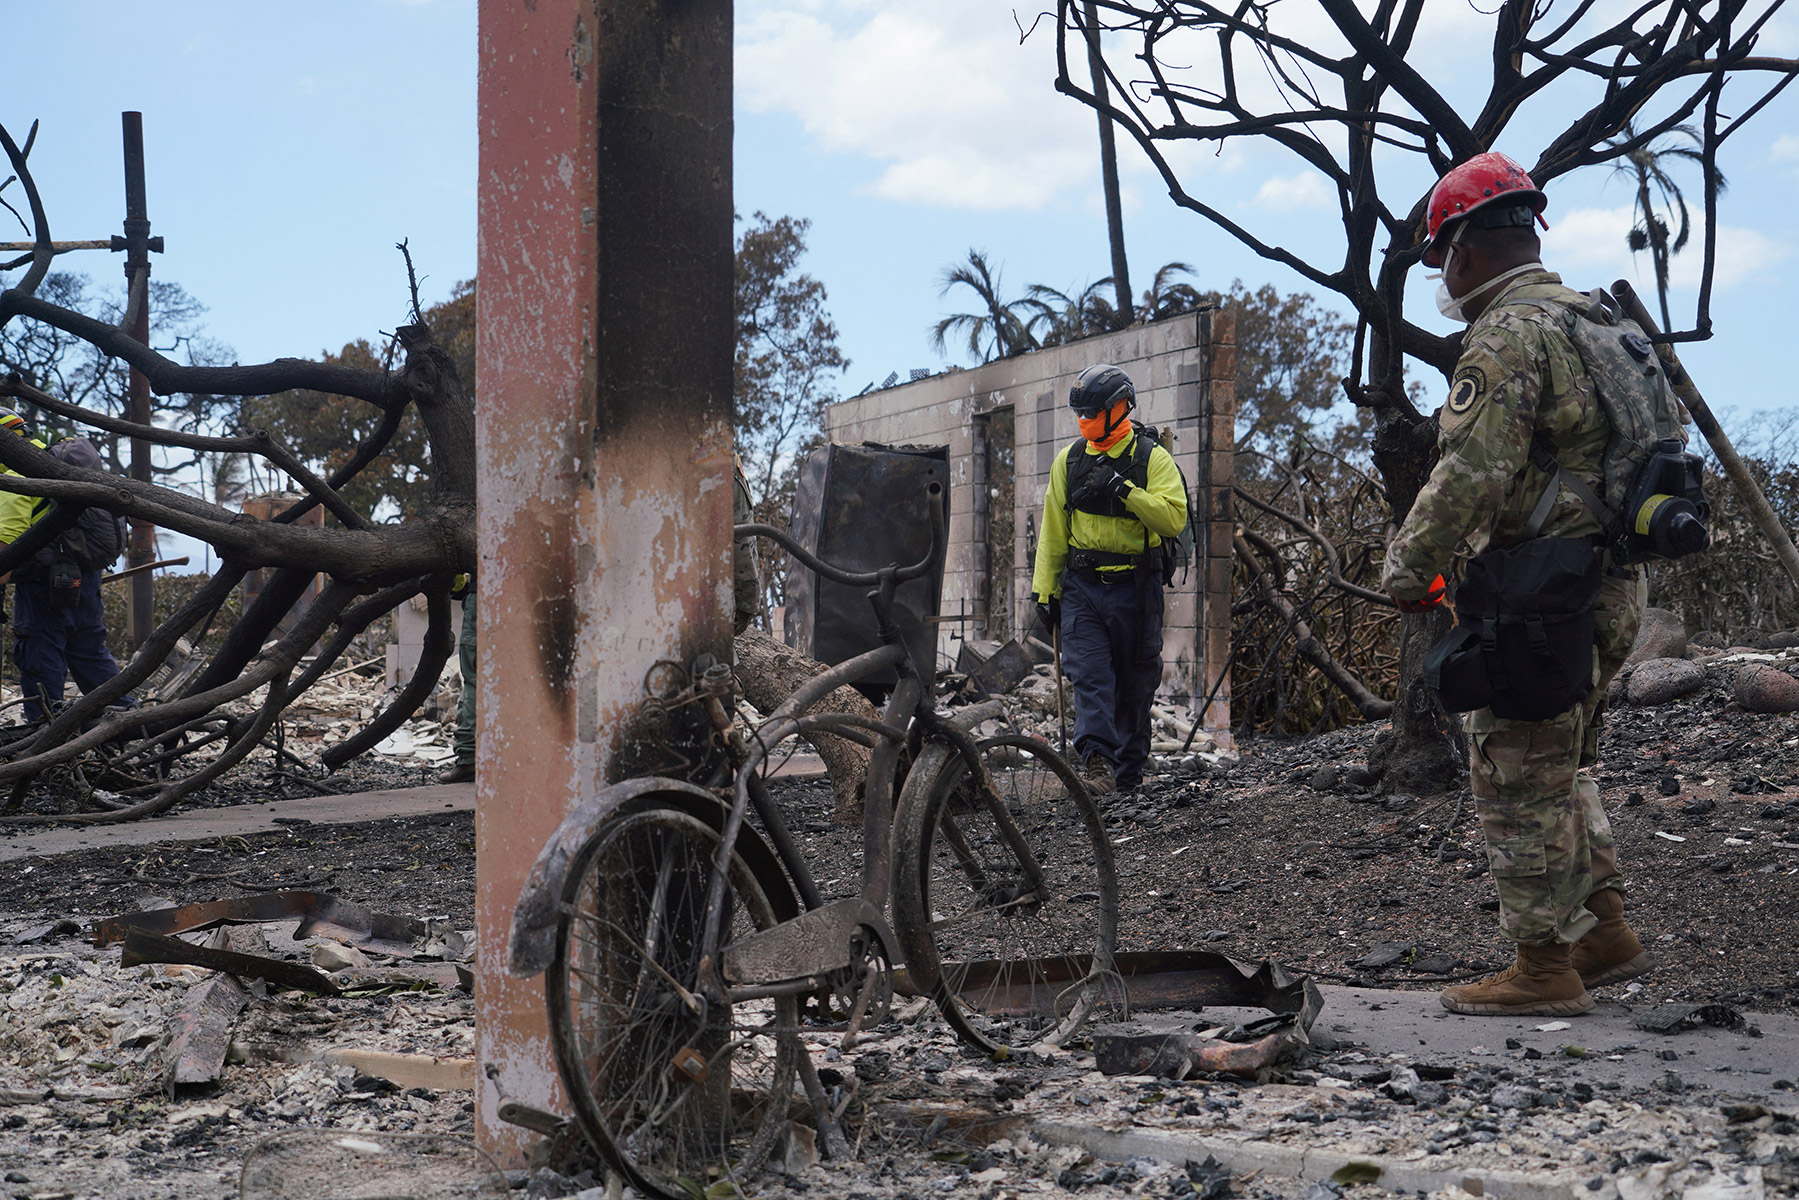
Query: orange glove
[[1431, 599]]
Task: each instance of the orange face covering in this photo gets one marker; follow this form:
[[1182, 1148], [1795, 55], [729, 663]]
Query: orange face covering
[[1094, 428]]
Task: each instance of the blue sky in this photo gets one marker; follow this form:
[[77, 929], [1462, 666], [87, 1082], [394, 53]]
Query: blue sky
[[290, 146]]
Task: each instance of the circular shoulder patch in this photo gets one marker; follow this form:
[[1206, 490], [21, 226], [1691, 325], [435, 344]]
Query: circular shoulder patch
[[1462, 393]]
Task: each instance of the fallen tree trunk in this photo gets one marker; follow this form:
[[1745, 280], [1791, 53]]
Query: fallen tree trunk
[[769, 672]]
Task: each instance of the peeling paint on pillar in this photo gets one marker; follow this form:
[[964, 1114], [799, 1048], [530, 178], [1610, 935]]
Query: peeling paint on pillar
[[604, 433]]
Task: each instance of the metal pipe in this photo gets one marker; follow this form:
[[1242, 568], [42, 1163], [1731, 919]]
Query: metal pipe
[[1738, 474]]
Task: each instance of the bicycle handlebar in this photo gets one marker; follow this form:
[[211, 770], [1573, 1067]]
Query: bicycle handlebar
[[859, 578]]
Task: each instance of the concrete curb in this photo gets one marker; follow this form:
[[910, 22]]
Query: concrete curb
[[202, 823], [1301, 1163]]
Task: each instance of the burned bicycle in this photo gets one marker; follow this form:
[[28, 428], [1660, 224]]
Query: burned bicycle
[[681, 940]]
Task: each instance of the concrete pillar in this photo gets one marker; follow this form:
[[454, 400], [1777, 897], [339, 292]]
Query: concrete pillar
[[603, 432]]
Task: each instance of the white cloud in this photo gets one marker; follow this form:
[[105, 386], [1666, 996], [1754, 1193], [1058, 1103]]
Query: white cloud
[[1591, 241], [1785, 149], [939, 91], [1305, 190]]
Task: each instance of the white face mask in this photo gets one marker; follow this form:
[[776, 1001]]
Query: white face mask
[[1448, 305], [1451, 306]]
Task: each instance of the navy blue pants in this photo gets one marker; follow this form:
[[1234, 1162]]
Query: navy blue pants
[[52, 641], [1112, 655]]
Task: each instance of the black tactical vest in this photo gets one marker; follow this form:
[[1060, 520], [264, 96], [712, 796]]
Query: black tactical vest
[[1080, 465]]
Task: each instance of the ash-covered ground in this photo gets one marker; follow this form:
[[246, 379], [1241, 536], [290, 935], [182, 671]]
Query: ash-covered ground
[[1274, 852]]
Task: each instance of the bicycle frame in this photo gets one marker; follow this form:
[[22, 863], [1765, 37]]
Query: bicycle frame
[[891, 732], [810, 941]]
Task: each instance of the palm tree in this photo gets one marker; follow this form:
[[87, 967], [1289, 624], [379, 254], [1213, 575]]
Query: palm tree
[[1646, 166], [998, 332], [1165, 297], [1108, 169], [1069, 317]]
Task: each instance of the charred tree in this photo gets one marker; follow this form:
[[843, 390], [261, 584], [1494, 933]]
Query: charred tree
[[370, 567], [769, 672]]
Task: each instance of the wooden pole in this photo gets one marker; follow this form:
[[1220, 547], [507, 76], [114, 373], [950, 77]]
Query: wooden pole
[[140, 606], [1759, 509]]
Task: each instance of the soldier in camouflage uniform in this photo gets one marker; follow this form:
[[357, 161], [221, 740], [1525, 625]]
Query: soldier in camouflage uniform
[[1520, 379]]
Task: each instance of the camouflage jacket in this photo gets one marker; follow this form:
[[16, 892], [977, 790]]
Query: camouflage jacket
[[1519, 378]]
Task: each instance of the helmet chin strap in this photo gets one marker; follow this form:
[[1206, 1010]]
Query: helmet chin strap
[[1112, 425]]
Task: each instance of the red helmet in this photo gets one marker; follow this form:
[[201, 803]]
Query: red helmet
[[1473, 185]]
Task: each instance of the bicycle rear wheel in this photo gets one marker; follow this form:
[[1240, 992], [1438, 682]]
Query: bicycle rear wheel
[[1006, 902], [672, 1090]]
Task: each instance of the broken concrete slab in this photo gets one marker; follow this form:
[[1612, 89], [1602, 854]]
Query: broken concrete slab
[[401, 1070], [322, 1164], [1609, 1050], [1244, 1157], [245, 818]]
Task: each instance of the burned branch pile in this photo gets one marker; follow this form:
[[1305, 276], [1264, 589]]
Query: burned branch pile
[[1312, 636], [369, 567]]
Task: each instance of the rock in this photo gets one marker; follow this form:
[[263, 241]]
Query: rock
[[1511, 1095], [333, 956], [1384, 955], [1786, 639], [1659, 680], [1766, 689], [1324, 778], [1661, 635], [1669, 786]]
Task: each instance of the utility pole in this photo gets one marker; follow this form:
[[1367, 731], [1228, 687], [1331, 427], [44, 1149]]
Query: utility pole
[[137, 244]]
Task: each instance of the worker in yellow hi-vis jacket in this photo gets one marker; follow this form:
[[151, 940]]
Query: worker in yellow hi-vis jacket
[[1114, 495]]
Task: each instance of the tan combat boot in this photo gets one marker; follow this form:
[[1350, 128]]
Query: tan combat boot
[[1098, 777], [1541, 982], [1610, 953]]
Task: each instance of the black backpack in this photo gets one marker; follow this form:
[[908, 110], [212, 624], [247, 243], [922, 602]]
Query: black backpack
[[97, 538]]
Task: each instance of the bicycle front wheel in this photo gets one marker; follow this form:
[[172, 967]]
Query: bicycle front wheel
[[676, 1091], [1006, 902]]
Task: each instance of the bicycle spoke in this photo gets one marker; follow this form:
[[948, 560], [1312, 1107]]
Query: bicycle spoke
[[995, 895], [627, 1013]]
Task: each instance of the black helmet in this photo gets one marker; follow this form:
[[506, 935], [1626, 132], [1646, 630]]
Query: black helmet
[[1098, 389]]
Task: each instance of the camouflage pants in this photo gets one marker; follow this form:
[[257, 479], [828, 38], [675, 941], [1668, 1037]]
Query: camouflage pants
[[1549, 844]]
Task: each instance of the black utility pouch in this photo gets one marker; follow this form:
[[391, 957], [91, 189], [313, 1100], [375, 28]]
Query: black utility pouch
[[65, 584], [1523, 641]]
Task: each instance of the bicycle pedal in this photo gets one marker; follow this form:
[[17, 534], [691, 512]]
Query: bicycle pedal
[[690, 1064]]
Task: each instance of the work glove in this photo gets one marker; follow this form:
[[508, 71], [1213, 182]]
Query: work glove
[[1431, 599], [1049, 611], [1101, 482], [1109, 481]]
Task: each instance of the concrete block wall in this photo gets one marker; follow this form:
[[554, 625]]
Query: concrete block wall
[[1185, 372]]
